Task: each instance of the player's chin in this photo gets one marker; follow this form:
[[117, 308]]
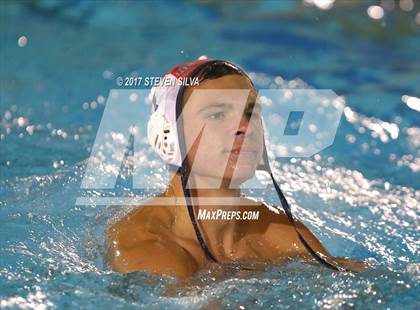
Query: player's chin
[[242, 171]]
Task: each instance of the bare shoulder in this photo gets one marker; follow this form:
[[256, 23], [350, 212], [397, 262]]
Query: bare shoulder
[[281, 233], [268, 214], [141, 240], [141, 222]]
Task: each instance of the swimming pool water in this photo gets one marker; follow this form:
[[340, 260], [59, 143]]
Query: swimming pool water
[[359, 196]]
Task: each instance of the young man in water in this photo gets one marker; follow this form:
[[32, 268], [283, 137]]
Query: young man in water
[[161, 238]]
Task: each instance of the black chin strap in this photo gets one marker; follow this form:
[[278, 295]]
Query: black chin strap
[[288, 212], [286, 209], [185, 172]]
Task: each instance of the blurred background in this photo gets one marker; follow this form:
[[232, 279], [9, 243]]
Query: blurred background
[[60, 59]]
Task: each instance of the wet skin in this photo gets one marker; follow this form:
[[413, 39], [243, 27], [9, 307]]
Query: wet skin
[[161, 238]]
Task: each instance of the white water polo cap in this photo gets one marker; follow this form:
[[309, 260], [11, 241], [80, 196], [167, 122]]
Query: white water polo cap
[[162, 129]]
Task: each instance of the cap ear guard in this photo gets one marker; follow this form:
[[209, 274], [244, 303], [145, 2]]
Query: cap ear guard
[[162, 137]]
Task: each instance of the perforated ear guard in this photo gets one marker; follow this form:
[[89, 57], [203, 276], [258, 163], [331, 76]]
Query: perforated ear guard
[[161, 128], [162, 137]]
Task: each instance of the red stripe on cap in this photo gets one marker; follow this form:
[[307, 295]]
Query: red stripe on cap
[[186, 69]]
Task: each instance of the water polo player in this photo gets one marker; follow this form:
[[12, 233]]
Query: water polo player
[[211, 136]]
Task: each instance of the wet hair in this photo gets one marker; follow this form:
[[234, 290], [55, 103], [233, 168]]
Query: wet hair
[[218, 70]]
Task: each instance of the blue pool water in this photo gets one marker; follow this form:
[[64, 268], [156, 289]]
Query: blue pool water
[[359, 196]]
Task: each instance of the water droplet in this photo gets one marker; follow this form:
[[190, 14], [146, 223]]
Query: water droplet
[[22, 41]]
